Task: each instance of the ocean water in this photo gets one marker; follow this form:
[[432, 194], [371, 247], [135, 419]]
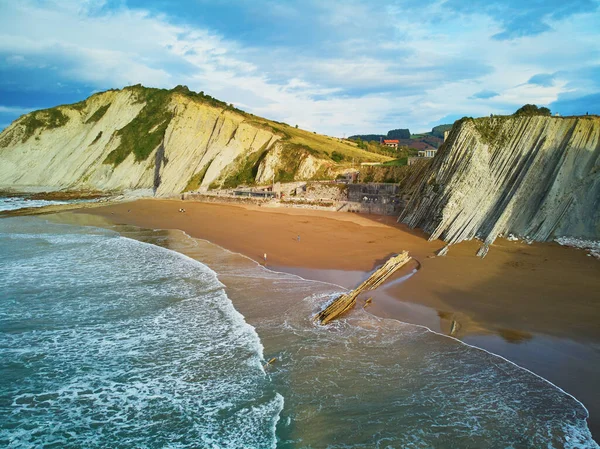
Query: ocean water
[[109, 342], [111, 338], [14, 203]]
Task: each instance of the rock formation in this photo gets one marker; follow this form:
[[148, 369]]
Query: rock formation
[[162, 142], [534, 177]]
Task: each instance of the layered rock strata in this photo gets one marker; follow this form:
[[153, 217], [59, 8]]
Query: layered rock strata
[[161, 142], [537, 178]]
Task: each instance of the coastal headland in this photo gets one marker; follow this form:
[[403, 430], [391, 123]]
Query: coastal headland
[[536, 305]]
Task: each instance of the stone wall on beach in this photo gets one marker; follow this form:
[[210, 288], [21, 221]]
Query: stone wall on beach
[[534, 177]]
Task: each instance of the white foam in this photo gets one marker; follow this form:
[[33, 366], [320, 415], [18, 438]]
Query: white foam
[[138, 331], [351, 329], [591, 246], [579, 435]]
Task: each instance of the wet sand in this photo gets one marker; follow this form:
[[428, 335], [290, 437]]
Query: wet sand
[[536, 305]]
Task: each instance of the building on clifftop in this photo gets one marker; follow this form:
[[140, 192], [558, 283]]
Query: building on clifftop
[[391, 143]]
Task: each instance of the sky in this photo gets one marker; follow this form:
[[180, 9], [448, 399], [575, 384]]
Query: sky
[[331, 66]]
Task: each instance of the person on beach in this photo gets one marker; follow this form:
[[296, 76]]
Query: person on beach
[[265, 258], [298, 238]]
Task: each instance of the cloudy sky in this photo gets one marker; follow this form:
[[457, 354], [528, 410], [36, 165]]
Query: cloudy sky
[[332, 66]]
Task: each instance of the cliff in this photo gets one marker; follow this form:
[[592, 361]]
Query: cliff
[[534, 177], [160, 141]]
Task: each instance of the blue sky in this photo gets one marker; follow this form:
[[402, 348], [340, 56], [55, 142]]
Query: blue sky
[[335, 67]]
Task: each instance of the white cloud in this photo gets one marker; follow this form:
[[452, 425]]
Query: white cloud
[[380, 68], [15, 110]]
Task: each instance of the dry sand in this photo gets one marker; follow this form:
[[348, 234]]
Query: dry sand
[[526, 287], [538, 305]]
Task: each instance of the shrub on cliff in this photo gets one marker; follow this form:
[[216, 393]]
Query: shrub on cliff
[[337, 156], [532, 109]]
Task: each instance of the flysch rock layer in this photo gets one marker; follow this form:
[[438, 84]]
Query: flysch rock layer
[[200, 139], [537, 178]]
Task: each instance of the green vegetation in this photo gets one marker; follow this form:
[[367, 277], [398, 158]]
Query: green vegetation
[[196, 180], [367, 137], [337, 157], [96, 116], [397, 162], [97, 138], [377, 148], [245, 169], [44, 119], [385, 173], [399, 134], [291, 158], [531, 110], [324, 173], [392, 134], [79, 106], [318, 145], [146, 131], [360, 144], [491, 130], [438, 131], [200, 97]]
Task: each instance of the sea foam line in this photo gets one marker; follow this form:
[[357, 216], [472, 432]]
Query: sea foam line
[[295, 276], [187, 258], [397, 320]]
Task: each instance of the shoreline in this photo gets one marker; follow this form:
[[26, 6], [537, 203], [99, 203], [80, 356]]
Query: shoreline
[[343, 248], [277, 270], [176, 235]]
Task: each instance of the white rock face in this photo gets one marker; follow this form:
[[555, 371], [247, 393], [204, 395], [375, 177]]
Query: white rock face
[[303, 166], [533, 177], [269, 165], [72, 156], [308, 167]]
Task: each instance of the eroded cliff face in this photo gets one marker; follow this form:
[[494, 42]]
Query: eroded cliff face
[[533, 177], [114, 141], [294, 166], [158, 141]]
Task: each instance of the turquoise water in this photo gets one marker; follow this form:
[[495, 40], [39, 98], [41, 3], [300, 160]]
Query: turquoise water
[[109, 342], [14, 203], [116, 340]]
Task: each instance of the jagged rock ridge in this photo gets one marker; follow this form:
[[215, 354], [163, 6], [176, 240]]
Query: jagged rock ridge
[[533, 177], [160, 141]]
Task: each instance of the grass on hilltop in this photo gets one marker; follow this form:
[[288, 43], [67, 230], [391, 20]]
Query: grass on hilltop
[[145, 133], [44, 119], [326, 147], [96, 116]]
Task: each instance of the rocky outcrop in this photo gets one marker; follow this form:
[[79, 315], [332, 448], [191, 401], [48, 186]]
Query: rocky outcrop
[[88, 151], [534, 177], [161, 142], [289, 166]]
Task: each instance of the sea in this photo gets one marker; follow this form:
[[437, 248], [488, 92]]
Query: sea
[[17, 202], [121, 337]]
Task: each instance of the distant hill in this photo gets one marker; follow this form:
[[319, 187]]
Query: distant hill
[[432, 139], [438, 131], [392, 134]]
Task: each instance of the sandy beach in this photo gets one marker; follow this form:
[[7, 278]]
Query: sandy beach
[[536, 305]]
